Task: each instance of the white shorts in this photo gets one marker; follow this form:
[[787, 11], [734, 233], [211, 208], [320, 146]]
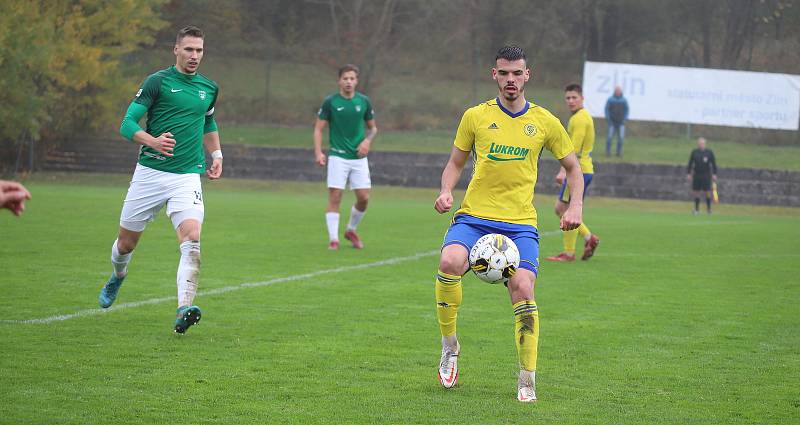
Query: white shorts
[[151, 189], [341, 170]]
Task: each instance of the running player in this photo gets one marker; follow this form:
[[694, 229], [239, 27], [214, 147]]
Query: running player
[[581, 131], [179, 104], [347, 112], [505, 135]]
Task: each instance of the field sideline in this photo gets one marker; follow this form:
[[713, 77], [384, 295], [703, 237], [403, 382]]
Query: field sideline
[[644, 150], [679, 318]]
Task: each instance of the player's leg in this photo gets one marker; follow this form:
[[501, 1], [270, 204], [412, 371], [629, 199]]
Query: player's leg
[[121, 253], [361, 183], [526, 316], [188, 276], [569, 237], [143, 200], [453, 263], [332, 216], [591, 241], [338, 172], [186, 211]]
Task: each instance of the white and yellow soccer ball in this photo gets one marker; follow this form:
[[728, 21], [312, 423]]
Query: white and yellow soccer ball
[[494, 258]]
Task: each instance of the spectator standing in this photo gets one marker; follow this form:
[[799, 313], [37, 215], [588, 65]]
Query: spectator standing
[[616, 115]]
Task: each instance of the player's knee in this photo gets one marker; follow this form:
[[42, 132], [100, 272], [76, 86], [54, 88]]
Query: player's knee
[[125, 245], [452, 265], [189, 230], [127, 241]]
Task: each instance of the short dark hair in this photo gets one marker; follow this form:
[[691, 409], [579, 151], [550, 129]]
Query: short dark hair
[[190, 31], [574, 87], [347, 68], [511, 53]]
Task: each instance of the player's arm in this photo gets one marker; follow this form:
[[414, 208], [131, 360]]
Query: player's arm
[[131, 130], [364, 146], [212, 146], [573, 215], [319, 127], [689, 167], [450, 176]]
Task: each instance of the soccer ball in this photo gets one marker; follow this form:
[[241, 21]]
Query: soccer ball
[[494, 258]]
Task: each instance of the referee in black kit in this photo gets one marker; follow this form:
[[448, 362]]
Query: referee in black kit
[[702, 170]]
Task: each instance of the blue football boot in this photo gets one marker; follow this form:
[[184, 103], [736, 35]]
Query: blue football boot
[[187, 316], [109, 292]]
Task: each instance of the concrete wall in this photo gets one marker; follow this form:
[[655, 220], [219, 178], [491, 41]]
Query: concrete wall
[[642, 181]]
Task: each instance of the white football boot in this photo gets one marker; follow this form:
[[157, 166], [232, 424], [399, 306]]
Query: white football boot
[[526, 386], [448, 366]]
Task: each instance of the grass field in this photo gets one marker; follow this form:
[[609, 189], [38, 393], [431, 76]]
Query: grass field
[[637, 149], [678, 318]]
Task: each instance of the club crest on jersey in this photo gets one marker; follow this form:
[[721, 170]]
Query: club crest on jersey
[[507, 153], [202, 94], [358, 108], [529, 129]]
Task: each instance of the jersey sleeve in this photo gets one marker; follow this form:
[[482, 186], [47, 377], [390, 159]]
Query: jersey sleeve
[[210, 124], [325, 110], [579, 129], [557, 140], [148, 92], [465, 135], [369, 114], [130, 123]]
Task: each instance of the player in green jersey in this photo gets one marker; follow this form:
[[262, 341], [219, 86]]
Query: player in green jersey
[[347, 112], [179, 104]]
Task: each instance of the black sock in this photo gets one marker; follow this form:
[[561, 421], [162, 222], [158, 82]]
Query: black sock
[[696, 204], [708, 204]]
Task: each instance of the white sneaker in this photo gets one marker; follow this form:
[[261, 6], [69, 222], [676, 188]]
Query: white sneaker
[[526, 386], [448, 366]]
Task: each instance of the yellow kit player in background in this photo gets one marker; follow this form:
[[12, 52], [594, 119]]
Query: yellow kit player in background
[[581, 131], [505, 136]]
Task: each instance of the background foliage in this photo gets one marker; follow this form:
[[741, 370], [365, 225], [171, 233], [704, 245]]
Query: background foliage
[[69, 67]]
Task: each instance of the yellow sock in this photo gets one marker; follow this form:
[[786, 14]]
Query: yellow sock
[[526, 332], [569, 241], [448, 298], [583, 230]]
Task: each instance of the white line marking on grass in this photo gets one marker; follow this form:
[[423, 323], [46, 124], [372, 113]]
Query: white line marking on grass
[[217, 291], [704, 255]]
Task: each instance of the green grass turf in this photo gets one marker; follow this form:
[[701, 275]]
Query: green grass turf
[[637, 150], [678, 318]]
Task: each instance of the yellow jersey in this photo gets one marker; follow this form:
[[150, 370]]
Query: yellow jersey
[[581, 131], [505, 153]]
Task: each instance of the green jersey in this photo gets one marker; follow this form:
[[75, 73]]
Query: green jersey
[[184, 106], [346, 118]]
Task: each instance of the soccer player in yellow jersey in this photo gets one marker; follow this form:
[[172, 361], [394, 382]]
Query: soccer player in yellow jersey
[[581, 131], [505, 136]]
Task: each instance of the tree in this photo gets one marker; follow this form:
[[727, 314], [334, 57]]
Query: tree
[[61, 63]]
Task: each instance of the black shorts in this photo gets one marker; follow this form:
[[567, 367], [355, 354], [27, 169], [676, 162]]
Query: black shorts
[[701, 182]]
